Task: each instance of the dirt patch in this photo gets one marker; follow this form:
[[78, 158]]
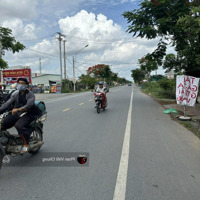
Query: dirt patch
[[193, 112]]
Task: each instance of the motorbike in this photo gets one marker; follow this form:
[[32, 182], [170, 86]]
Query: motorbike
[[11, 144], [100, 101]]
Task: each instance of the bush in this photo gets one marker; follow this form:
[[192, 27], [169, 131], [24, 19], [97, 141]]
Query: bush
[[167, 84], [65, 90], [163, 88]]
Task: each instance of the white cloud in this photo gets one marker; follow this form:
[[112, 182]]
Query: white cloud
[[24, 9], [84, 28], [19, 30], [108, 44], [88, 24]]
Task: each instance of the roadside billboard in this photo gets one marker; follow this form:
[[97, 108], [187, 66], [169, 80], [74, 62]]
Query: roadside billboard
[[11, 76], [186, 90]]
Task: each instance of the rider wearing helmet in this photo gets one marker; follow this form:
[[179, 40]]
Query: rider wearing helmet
[[23, 101], [102, 90]]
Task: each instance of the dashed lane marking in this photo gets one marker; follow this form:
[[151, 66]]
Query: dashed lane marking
[[66, 109]]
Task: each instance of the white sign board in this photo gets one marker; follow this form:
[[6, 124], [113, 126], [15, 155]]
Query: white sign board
[[186, 90]]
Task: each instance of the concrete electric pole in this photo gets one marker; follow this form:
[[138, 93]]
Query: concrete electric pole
[[65, 75], [40, 65], [1, 72], [60, 35], [74, 78]]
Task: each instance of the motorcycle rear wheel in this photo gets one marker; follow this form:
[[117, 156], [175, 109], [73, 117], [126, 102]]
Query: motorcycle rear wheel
[[36, 136]]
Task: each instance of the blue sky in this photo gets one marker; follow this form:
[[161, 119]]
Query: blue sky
[[96, 23]]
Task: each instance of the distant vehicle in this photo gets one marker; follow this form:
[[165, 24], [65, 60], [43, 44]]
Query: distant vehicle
[[129, 84]]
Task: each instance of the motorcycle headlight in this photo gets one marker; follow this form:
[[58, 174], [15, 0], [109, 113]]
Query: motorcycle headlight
[[43, 118]]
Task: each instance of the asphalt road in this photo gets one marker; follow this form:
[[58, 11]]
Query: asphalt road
[[135, 152]]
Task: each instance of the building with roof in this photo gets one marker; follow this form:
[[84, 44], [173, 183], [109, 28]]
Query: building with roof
[[45, 79]]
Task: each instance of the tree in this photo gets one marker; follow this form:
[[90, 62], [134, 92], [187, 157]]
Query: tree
[[114, 76], [8, 43], [188, 49], [147, 65], [172, 21], [157, 77], [100, 71], [88, 81], [170, 62], [138, 75]]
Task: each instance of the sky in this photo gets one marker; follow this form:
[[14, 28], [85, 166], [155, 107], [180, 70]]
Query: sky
[[96, 23]]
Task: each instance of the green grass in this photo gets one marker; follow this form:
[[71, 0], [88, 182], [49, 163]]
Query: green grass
[[190, 126]]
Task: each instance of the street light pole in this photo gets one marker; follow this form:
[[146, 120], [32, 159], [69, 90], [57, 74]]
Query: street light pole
[[74, 57]]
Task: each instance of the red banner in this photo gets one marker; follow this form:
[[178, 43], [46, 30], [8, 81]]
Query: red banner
[[11, 76]]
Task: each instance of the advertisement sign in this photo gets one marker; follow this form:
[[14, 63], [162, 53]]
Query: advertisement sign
[[186, 90], [11, 76]]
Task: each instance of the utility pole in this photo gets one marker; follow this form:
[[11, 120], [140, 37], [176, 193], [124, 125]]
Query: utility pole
[[40, 66], [65, 75], [60, 39], [74, 57], [0, 49], [74, 79], [1, 72]]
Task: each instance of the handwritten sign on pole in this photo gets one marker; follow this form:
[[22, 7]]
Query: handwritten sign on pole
[[186, 90]]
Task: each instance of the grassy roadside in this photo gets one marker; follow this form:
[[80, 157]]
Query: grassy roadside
[[193, 125]]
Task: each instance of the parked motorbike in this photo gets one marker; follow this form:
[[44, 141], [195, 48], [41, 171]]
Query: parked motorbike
[[11, 144], [100, 101]]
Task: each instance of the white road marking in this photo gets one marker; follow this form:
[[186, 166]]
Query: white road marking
[[120, 187], [66, 109]]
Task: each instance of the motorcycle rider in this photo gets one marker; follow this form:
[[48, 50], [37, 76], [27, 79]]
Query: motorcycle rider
[[102, 89], [23, 101]]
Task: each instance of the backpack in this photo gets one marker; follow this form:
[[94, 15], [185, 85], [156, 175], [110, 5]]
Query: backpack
[[41, 106]]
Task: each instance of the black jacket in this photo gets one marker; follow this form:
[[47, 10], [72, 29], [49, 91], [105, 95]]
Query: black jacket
[[14, 99]]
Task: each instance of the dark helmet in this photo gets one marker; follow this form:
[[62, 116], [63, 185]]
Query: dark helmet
[[100, 83], [23, 79]]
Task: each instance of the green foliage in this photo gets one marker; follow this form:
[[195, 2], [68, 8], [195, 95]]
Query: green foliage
[[177, 23], [148, 64], [167, 84], [88, 81], [122, 81], [66, 85], [188, 48], [3, 64], [114, 77], [138, 75], [164, 88], [100, 71], [8, 43], [156, 77]]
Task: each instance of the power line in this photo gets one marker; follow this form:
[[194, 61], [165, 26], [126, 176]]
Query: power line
[[102, 42], [79, 70], [48, 36], [42, 53]]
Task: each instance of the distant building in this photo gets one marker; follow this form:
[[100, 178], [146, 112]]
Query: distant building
[[170, 74], [45, 79]]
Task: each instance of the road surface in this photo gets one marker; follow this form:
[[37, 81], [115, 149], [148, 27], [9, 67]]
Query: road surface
[[135, 153]]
